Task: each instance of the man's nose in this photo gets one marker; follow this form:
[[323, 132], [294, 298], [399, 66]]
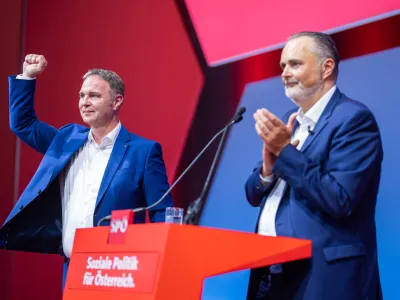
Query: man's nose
[[286, 72], [86, 100]]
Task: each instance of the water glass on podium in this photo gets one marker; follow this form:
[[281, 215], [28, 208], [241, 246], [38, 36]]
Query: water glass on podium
[[174, 215]]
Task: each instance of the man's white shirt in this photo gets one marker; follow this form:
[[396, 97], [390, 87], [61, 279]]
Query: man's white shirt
[[80, 183]]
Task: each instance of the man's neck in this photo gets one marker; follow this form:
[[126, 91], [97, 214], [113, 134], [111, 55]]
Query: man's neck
[[317, 96], [100, 132]]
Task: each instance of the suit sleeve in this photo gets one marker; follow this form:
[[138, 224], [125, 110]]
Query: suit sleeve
[[155, 184], [23, 120], [255, 189], [337, 185]]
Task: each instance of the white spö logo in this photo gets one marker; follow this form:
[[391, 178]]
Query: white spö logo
[[119, 225]]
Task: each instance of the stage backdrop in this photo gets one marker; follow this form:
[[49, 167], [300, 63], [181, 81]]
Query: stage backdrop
[[173, 95], [372, 79]]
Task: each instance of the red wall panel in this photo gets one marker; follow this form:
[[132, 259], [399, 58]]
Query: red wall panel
[[230, 30], [146, 43], [10, 35]]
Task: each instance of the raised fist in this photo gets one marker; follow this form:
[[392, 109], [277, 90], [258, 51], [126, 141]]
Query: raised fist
[[34, 65]]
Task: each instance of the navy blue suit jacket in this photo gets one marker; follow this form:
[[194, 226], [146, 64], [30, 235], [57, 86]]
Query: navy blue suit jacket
[[330, 198], [135, 176]]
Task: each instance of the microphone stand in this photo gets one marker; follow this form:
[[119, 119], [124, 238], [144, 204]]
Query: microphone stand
[[195, 208], [237, 118]]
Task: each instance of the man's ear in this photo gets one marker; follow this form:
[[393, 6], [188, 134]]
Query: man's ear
[[327, 68], [118, 100]]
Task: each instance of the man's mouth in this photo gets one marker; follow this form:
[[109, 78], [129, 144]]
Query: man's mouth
[[290, 84]]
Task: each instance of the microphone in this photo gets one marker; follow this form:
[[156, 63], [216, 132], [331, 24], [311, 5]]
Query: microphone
[[310, 132], [195, 208], [236, 119]]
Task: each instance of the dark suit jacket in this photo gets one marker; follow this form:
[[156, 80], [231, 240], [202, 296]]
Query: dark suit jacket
[[134, 177], [330, 198]]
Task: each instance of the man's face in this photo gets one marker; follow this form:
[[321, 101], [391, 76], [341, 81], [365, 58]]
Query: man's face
[[301, 70], [95, 104]]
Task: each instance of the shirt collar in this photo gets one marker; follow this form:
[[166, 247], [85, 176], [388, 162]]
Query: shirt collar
[[109, 139], [312, 116]]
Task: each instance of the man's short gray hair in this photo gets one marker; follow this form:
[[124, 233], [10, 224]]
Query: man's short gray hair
[[116, 84], [326, 47]]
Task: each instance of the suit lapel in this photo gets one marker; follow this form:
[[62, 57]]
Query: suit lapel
[[116, 157], [323, 120], [311, 137], [295, 126], [69, 149]]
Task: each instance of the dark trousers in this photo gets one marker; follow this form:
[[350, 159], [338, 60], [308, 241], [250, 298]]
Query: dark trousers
[[65, 272], [267, 283], [289, 282]]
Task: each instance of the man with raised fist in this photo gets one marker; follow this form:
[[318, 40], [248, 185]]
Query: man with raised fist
[[86, 172]]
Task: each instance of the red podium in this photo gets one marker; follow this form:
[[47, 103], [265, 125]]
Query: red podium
[[167, 261]]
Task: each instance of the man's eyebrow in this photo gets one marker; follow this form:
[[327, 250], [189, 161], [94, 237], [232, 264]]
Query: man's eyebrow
[[290, 61]]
